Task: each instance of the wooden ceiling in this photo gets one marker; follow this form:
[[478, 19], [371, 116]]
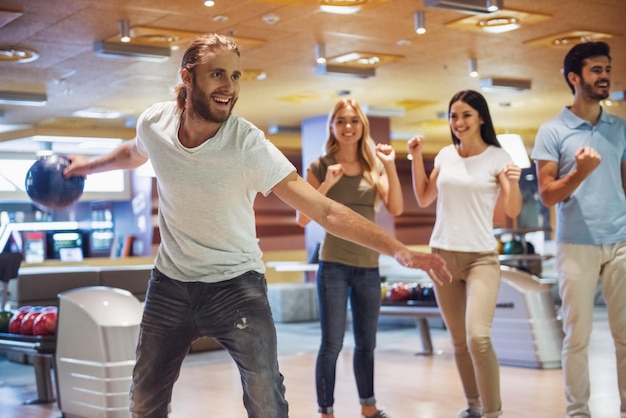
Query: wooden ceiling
[[279, 39]]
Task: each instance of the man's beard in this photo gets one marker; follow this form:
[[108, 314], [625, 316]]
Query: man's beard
[[589, 91], [200, 105]]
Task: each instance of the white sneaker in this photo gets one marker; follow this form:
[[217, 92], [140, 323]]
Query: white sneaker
[[470, 413]]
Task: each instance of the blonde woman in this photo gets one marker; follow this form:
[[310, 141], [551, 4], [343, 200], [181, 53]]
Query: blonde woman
[[362, 176]]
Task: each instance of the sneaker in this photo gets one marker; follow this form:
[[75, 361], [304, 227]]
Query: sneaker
[[379, 414], [470, 413]]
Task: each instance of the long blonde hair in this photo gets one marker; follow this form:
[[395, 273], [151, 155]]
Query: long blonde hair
[[367, 147]]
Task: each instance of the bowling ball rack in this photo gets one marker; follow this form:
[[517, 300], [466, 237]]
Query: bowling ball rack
[[42, 348], [421, 311]]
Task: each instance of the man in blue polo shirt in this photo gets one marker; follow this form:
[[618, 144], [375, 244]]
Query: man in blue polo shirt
[[581, 167]]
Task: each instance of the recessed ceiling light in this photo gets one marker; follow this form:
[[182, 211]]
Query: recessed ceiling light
[[504, 20], [10, 53], [341, 6], [270, 18], [363, 59], [97, 113], [569, 38], [500, 24]]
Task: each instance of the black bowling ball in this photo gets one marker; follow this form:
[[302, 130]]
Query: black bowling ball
[[46, 186]]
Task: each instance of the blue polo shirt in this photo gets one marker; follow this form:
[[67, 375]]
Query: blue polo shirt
[[595, 213]]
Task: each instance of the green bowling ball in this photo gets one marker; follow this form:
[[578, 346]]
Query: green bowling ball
[[5, 317], [513, 247]]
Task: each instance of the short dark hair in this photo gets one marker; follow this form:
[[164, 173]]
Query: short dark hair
[[575, 58], [476, 101]]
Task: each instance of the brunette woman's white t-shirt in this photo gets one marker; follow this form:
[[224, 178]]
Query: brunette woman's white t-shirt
[[468, 190]]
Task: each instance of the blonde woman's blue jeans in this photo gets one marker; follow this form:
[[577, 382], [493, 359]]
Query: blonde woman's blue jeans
[[336, 284]]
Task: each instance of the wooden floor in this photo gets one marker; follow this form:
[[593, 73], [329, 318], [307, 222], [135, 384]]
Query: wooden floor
[[408, 385]]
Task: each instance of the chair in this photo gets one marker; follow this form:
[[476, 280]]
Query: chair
[[9, 268]]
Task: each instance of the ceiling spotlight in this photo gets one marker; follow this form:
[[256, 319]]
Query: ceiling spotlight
[[209, 3], [493, 5], [320, 53], [124, 30], [467, 6], [420, 27], [473, 67]]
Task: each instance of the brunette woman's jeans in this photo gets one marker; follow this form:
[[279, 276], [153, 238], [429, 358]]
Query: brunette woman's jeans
[[336, 283], [236, 313], [468, 306]]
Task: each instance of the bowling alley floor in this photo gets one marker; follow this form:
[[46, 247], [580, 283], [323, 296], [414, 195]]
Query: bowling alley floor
[[408, 385]]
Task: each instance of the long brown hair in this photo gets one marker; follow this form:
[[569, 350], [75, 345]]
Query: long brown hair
[[198, 52]]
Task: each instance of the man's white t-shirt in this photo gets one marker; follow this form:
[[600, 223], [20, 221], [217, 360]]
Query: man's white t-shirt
[[206, 194]]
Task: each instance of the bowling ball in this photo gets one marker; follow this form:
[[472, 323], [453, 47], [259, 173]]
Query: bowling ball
[[46, 322], [46, 186], [513, 247], [384, 287], [500, 247], [428, 294], [29, 320], [15, 324], [399, 292], [5, 317]]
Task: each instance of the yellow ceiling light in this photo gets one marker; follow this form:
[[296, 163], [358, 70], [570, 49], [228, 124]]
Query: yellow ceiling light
[[502, 21], [250, 74], [410, 104], [175, 38], [569, 38], [341, 6], [360, 59], [10, 53], [346, 6], [300, 97]]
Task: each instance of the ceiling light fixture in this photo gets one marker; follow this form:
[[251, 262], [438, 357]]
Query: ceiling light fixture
[[467, 6], [149, 53], [23, 98], [420, 26], [320, 53], [124, 30], [499, 24], [473, 67], [388, 112], [504, 84], [9, 53], [343, 7], [209, 3], [493, 5], [344, 70]]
